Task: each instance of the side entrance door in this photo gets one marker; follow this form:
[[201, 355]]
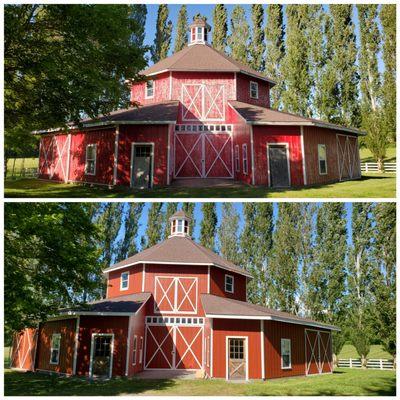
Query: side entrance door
[[101, 355], [236, 358], [278, 160], [142, 165], [318, 351]]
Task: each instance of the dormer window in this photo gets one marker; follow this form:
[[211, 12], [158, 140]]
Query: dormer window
[[149, 89]]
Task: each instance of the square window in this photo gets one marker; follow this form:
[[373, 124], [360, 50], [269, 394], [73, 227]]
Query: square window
[[178, 320], [183, 320]]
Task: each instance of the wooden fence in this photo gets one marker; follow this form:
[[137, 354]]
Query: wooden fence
[[372, 363], [373, 167]]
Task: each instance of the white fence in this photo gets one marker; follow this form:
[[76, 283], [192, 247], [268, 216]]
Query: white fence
[[372, 363], [373, 167]]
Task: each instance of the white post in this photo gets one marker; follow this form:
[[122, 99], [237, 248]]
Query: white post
[[366, 167], [381, 363], [351, 364]]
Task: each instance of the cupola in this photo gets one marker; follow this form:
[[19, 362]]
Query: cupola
[[180, 224], [199, 30]]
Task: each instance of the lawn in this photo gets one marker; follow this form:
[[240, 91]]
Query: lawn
[[343, 382], [366, 155], [370, 186], [16, 164], [349, 351]]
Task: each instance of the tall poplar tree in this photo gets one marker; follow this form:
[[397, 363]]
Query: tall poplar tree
[[154, 226], [162, 41], [208, 226], [188, 208], [256, 245], [181, 38], [228, 233], [138, 16], [275, 51], [257, 44], [169, 212], [220, 28], [238, 40]]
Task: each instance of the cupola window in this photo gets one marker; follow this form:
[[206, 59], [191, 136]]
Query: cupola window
[[180, 224], [199, 30]]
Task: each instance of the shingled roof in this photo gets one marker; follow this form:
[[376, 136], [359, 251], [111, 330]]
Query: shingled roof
[[202, 58], [222, 307], [178, 250]]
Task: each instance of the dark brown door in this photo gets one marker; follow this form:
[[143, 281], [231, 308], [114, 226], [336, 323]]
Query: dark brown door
[[237, 359], [278, 166], [101, 363]]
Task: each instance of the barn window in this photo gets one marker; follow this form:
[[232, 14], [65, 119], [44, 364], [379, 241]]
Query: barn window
[[286, 354], [237, 159], [245, 164], [141, 350], [134, 350], [124, 281], [229, 283], [199, 34], [254, 90], [55, 348], [149, 89], [236, 349], [90, 165], [322, 165]]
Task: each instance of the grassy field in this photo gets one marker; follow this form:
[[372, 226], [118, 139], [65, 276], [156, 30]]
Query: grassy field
[[17, 164], [371, 185], [366, 155], [376, 351]]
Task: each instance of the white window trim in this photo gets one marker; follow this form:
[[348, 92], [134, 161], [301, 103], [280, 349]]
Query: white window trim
[[141, 350], [255, 83], [121, 281], [245, 158], [290, 353], [95, 159], [146, 96], [53, 348], [237, 158], [326, 160], [134, 350], [233, 283]]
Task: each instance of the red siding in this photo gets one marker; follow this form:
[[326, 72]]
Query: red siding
[[137, 327], [24, 349], [243, 91], [242, 136], [282, 134], [135, 281], [161, 92], [217, 284]]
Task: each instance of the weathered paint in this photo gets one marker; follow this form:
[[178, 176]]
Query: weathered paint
[[241, 137], [135, 281], [23, 350], [243, 91], [161, 92], [217, 284]]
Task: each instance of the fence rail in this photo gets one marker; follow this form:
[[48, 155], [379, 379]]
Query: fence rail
[[373, 167], [372, 363]]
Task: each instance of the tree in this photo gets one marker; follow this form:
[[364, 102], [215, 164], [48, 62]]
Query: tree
[[257, 46], [154, 224], [220, 28], [127, 245], [208, 226], [181, 38], [50, 259], [238, 41], [162, 41], [275, 51], [256, 245], [228, 234], [188, 208], [169, 212]]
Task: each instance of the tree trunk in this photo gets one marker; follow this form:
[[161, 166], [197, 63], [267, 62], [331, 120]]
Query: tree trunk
[[335, 360], [363, 362], [5, 166], [380, 165]]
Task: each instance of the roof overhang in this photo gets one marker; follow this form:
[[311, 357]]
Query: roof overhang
[[98, 313]]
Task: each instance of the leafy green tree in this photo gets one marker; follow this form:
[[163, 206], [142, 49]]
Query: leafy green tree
[[228, 234], [256, 245], [220, 27], [188, 208], [50, 259], [275, 51], [138, 15], [169, 212], [257, 45], [162, 41], [238, 41], [208, 226], [154, 225], [181, 38]]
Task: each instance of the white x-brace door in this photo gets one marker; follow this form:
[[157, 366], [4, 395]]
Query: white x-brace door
[[55, 156], [318, 350], [348, 157]]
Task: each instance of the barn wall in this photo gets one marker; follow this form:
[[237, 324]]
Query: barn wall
[[157, 134], [161, 92], [23, 350], [89, 325], [67, 329], [217, 284], [207, 349], [241, 135], [243, 91], [262, 135], [249, 328], [135, 281]]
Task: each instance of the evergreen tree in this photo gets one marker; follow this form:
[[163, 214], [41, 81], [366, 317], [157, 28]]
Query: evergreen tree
[[162, 41], [257, 45], [388, 22], [220, 27], [256, 245], [238, 41], [296, 65], [275, 51], [228, 234], [188, 208], [208, 225], [154, 226], [169, 212], [181, 38]]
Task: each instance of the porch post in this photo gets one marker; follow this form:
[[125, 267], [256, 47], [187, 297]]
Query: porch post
[[116, 154]]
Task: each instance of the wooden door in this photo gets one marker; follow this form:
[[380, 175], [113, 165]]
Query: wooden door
[[24, 349], [188, 155], [160, 347], [348, 157], [237, 359], [318, 351], [278, 166], [218, 155], [102, 356], [141, 168]]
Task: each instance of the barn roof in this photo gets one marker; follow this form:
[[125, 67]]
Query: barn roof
[[178, 250], [256, 115], [128, 304], [222, 307], [202, 58]]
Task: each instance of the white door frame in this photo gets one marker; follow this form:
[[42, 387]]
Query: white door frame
[[287, 159], [94, 335], [246, 344], [151, 177]]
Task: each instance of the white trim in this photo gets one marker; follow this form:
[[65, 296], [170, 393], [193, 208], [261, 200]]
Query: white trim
[[170, 127], [170, 85], [128, 345], [326, 159], [66, 177], [253, 168], [76, 345], [55, 335], [71, 314], [246, 350], [146, 96], [134, 350], [262, 338], [92, 351], [233, 283], [244, 153], [304, 156], [256, 97], [237, 158], [116, 155], [141, 350], [94, 159], [211, 347], [209, 280], [290, 353], [270, 144], [121, 288], [151, 175], [143, 276]]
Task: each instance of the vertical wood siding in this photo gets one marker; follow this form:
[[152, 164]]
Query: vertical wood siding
[[161, 92], [243, 91], [241, 135], [217, 284], [135, 281]]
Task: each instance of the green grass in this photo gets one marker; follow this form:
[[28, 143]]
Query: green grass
[[371, 185], [376, 351], [19, 164], [366, 155], [344, 382]]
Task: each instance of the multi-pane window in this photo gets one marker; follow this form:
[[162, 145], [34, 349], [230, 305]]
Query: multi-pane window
[[254, 90], [245, 162], [229, 283], [142, 151], [322, 165], [149, 89], [102, 346], [90, 166], [124, 281], [134, 352], [174, 321], [199, 33], [55, 348], [237, 159], [286, 354], [180, 226], [236, 349], [203, 128]]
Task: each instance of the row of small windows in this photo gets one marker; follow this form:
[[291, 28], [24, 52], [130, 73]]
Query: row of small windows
[[245, 165], [175, 320], [203, 128]]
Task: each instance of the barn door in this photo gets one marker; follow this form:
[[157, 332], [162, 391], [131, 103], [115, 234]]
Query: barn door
[[348, 157], [141, 165], [278, 159], [237, 359], [24, 349], [318, 351], [189, 158]]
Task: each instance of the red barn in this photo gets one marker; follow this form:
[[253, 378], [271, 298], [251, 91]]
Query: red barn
[[176, 306], [202, 115]]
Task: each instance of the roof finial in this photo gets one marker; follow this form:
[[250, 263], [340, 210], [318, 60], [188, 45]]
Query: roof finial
[[199, 30]]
